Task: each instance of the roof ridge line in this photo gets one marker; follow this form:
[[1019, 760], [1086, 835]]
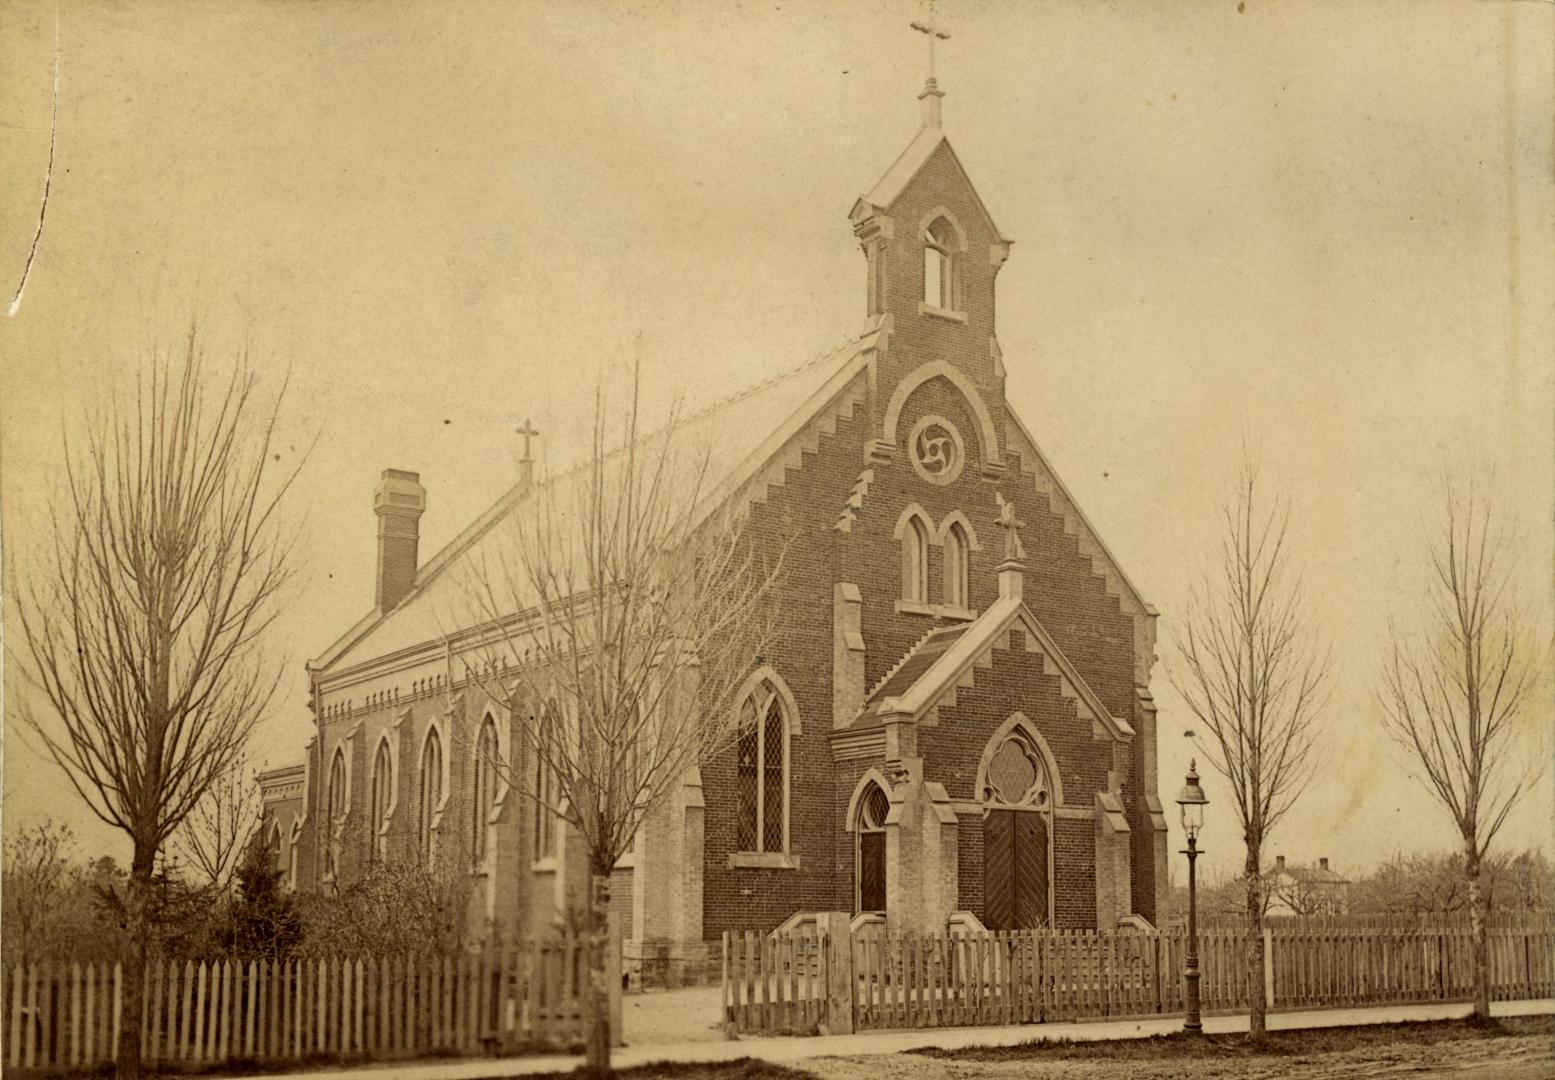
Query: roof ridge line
[[519, 491]]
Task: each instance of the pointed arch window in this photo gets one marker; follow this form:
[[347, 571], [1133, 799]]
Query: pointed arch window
[[431, 795], [337, 808], [383, 796], [273, 850], [485, 787], [939, 242], [956, 559], [543, 778], [762, 823], [915, 561]]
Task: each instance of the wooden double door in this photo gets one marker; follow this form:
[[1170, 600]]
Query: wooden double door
[[1015, 870]]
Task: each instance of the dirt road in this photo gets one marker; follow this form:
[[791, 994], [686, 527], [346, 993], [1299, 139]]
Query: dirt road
[[1521, 1057]]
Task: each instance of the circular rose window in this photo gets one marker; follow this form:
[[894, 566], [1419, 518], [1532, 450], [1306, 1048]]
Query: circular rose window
[[936, 450]]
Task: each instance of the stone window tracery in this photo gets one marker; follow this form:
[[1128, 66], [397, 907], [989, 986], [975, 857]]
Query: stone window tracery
[[1016, 775]]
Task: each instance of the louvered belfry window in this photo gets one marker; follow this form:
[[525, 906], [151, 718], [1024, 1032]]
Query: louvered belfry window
[[762, 773]]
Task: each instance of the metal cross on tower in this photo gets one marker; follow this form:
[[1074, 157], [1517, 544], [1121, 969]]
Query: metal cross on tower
[[930, 29]]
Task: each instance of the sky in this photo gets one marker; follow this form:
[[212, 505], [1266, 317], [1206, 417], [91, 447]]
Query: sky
[[1326, 230]]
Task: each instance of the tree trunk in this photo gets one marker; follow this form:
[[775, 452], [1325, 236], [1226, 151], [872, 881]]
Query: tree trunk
[[597, 1011], [1257, 1005], [1479, 933], [137, 906]]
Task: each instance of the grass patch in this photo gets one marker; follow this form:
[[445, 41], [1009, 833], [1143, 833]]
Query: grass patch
[[1274, 1043]]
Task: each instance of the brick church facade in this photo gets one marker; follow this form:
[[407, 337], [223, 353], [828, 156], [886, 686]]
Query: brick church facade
[[955, 727]]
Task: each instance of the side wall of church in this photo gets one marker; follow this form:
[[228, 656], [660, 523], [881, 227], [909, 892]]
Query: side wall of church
[[526, 895]]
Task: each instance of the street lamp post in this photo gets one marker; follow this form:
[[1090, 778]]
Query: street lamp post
[[1192, 801]]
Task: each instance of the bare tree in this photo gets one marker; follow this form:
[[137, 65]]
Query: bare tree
[[213, 838], [36, 875], [621, 612], [1452, 687], [142, 625], [1253, 674]]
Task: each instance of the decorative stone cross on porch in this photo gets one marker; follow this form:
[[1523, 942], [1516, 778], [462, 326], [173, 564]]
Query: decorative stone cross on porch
[[1014, 550]]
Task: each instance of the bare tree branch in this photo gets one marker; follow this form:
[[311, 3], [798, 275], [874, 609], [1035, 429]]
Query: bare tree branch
[[141, 631], [1255, 678], [214, 837], [1454, 681], [619, 617]]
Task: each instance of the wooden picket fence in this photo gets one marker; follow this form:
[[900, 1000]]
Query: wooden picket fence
[[1321, 966], [777, 984], [207, 1014]]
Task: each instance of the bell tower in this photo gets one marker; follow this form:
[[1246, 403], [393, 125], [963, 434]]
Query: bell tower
[[932, 253]]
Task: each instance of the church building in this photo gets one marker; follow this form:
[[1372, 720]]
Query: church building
[[954, 729]]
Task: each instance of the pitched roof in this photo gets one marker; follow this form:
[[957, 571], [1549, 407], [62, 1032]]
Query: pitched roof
[[943, 657], [909, 163], [1310, 875], [731, 440]]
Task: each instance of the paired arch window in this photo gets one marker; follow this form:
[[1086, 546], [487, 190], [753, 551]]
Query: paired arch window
[[485, 787], [383, 795], [915, 560], [763, 772], [939, 244], [431, 794], [956, 542], [955, 559]]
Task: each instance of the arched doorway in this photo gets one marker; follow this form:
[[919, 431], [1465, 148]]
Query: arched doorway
[[869, 836], [1017, 850]]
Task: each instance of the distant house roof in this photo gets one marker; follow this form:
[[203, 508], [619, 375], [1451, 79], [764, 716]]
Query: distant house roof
[[1307, 875]]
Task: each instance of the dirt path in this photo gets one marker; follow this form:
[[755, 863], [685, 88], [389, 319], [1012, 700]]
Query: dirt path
[[1523, 1057]]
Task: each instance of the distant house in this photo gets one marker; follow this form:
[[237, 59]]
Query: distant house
[[1296, 891]]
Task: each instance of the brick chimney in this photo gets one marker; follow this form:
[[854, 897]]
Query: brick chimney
[[1323, 862], [1279, 862], [399, 502]]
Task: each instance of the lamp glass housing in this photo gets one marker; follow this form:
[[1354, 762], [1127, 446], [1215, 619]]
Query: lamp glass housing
[[1192, 817]]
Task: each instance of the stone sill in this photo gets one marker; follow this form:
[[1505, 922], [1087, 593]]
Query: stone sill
[[763, 860], [941, 313], [940, 611], [546, 865]]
